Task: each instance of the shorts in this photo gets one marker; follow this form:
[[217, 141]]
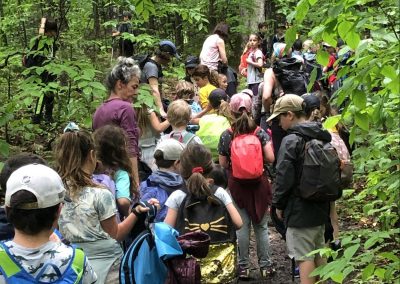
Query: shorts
[[302, 241]]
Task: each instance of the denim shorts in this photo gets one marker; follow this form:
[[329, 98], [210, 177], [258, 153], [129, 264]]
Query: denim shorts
[[302, 241]]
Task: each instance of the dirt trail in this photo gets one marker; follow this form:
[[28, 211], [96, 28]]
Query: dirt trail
[[279, 257]]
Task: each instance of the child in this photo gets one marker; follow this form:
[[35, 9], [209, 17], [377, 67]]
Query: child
[[185, 91], [202, 77], [222, 81], [190, 63], [166, 179], [251, 196], [304, 219], [110, 145], [243, 60], [34, 198], [255, 62], [212, 125], [196, 167], [179, 115], [88, 217], [13, 163]]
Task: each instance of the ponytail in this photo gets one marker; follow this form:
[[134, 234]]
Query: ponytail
[[225, 110], [243, 124], [213, 78]]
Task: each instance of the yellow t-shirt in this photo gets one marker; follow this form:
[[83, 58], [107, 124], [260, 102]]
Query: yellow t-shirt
[[204, 92]]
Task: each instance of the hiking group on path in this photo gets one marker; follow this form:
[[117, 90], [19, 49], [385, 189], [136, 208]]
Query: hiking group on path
[[171, 194]]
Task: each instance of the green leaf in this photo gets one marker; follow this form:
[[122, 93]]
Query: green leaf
[[290, 36], [322, 57], [389, 72], [98, 85], [4, 148], [362, 120], [338, 277], [344, 28], [331, 121], [380, 273], [352, 39], [390, 255], [359, 99], [335, 11], [312, 2], [302, 10], [349, 252], [329, 37], [368, 271]]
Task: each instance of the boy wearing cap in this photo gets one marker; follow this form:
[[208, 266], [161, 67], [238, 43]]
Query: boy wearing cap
[[303, 219], [33, 200], [152, 70], [161, 183]]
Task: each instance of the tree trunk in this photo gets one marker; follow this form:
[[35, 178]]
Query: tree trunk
[[212, 17], [178, 32], [3, 34], [96, 19]]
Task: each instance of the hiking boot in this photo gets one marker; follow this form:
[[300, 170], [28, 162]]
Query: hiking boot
[[267, 272], [244, 273]]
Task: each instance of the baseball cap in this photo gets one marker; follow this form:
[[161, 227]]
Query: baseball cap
[[239, 101], [312, 102], [171, 149], [41, 181], [285, 104], [192, 61], [168, 46], [216, 96]]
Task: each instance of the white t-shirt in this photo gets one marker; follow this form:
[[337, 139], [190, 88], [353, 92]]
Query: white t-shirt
[[174, 201], [33, 259]]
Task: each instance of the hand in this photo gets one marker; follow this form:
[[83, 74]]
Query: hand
[[279, 214], [163, 114], [243, 71], [155, 202]]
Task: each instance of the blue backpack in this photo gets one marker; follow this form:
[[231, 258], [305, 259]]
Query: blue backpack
[[15, 274], [143, 262]]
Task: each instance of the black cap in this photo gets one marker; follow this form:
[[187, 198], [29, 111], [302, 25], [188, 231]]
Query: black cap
[[312, 102], [192, 61], [127, 14], [216, 96]]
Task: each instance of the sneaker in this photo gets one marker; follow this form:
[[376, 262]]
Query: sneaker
[[244, 273], [267, 272]]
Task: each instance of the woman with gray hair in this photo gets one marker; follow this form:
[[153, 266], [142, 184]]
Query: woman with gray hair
[[122, 82]]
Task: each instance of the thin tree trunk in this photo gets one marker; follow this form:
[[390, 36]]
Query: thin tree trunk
[[96, 19], [178, 32], [3, 34], [212, 15]]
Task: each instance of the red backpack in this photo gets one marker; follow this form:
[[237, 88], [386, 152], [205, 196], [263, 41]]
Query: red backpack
[[247, 156]]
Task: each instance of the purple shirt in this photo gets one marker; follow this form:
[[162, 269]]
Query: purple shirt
[[120, 113]]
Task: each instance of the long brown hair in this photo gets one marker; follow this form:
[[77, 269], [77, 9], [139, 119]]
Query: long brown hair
[[243, 124], [110, 145], [143, 121], [196, 164], [224, 109], [71, 151]]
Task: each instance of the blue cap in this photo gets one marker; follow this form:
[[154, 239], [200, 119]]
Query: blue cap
[[169, 46]]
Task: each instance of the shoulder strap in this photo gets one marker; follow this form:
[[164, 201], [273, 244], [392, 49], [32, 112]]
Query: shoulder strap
[[188, 137], [78, 264], [256, 130], [7, 263]]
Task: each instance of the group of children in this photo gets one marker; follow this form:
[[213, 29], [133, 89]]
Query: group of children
[[91, 198]]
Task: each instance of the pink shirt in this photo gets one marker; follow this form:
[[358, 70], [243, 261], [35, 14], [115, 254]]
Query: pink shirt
[[209, 55]]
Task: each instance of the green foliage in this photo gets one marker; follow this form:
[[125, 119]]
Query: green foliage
[[371, 93]]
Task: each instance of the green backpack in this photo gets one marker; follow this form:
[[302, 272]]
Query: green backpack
[[211, 128]]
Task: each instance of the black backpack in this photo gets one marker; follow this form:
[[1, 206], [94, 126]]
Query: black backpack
[[290, 75], [141, 59], [321, 176], [208, 215]]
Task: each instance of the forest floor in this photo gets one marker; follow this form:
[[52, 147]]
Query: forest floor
[[280, 260]]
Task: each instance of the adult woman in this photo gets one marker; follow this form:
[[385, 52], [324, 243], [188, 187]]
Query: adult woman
[[122, 83], [213, 49]]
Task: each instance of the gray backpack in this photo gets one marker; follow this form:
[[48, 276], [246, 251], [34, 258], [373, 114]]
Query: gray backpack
[[321, 175]]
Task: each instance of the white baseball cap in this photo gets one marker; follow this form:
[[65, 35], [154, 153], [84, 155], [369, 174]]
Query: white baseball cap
[[171, 149], [41, 181]]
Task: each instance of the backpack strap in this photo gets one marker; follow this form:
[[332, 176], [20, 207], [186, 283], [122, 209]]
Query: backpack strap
[[188, 137], [8, 264], [78, 264]]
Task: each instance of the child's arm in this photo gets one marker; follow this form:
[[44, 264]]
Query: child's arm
[[235, 216], [170, 219], [156, 124], [222, 52], [268, 152], [258, 63]]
